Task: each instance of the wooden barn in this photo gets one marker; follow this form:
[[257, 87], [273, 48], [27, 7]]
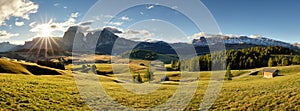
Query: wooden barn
[[269, 73]]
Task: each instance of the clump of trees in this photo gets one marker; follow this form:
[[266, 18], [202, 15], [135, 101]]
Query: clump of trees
[[296, 60], [175, 65], [270, 62], [136, 77], [47, 63], [143, 54], [139, 78], [255, 57], [148, 75]]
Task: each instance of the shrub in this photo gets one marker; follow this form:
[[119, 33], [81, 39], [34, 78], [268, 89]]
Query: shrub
[[139, 78], [165, 78], [228, 73]]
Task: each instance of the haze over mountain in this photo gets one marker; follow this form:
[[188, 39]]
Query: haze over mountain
[[7, 46]]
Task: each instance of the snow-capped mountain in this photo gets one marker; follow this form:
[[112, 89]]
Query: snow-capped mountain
[[260, 41]]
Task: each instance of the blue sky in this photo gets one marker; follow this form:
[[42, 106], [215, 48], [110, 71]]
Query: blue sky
[[277, 19]]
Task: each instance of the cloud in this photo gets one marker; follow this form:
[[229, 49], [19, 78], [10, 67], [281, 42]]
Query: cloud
[[10, 26], [19, 23], [124, 18], [256, 36], [32, 24], [90, 22], [16, 8], [174, 7], [97, 17], [140, 32], [114, 23], [108, 16], [197, 35], [150, 7], [137, 35], [53, 26], [56, 4], [75, 15], [59, 5], [5, 35], [202, 34]]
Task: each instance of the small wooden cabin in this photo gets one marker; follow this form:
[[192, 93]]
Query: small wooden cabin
[[269, 73]]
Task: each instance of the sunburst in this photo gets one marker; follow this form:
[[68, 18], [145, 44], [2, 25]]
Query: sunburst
[[43, 47], [45, 42]]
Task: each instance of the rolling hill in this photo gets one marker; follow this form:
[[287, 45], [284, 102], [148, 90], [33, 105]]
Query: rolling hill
[[19, 67], [20, 92]]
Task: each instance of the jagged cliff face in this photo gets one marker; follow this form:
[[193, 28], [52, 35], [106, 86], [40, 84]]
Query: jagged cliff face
[[106, 42], [99, 41]]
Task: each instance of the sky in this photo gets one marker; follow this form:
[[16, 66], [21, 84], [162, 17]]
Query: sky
[[22, 20]]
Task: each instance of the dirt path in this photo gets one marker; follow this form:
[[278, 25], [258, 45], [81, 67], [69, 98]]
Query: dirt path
[[247, 74]]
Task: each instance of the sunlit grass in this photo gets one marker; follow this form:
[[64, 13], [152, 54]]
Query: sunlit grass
[[27, 92]]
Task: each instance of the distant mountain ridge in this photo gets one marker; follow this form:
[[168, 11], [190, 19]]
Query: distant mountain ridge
[[259, 41], [6, 47], [103, 41], [106, 42]]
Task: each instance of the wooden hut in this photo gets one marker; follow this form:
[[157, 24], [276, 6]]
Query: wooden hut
[[270, 73]]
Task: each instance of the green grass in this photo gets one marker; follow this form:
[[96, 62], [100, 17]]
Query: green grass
[[257, 93], [28, 92], [23, 92], [7, 66], [15, 67], [204, 75]]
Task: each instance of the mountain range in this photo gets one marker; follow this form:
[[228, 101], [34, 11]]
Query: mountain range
[[260, 41], [6, 46], [106, 42]]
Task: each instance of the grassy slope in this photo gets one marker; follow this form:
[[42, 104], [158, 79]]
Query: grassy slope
[[12, 67], [15, 67], [19, 92], [257, 93], [22, 92]]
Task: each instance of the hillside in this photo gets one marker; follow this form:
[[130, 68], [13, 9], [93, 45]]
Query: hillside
[[61, 93], [18, 67]]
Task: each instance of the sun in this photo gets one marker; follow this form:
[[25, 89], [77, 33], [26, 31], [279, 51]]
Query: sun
[[45, 30]]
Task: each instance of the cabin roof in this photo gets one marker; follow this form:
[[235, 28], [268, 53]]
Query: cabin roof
[[270, 70]]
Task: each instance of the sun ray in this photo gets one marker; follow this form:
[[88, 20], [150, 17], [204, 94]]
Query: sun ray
[[38, 53], [50, 44], [54, 41], [46, 47], [33, 46]]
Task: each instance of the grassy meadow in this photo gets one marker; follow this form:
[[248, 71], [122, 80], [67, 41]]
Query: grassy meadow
[[59, 92]]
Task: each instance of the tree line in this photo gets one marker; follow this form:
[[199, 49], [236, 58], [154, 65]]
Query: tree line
[[254, 57]]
